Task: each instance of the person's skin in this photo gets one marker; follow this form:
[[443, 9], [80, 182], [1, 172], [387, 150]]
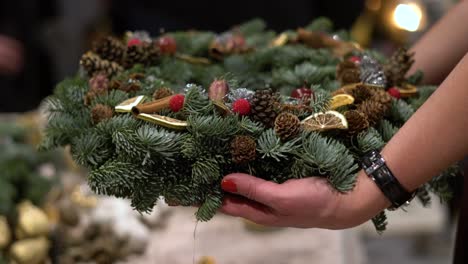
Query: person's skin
[[11, 56], [434, 138], [442, 47]]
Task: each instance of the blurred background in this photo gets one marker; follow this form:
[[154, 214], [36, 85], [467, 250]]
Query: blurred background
[[41, 42]]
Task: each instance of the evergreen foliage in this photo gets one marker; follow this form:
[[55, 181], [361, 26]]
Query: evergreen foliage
[[141, 161]]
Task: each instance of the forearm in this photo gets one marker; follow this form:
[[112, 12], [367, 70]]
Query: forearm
[[439, 50], [433, 139]]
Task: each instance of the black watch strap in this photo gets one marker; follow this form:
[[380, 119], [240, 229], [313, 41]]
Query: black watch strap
[[375, 167]]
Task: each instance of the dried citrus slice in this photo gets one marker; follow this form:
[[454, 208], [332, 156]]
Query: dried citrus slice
[[341, 100], [325, 121]]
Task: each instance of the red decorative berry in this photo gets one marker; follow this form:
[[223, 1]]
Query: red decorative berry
[[394, 92], [167, 45], [241, 106], [177, 102], [133, 42], [355, 59], [302, 93]]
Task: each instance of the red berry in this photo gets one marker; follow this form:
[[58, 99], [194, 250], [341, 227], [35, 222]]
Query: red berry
[[177, 102], [167, 45], [133, 42], [241, 106], [355, 59], [302, 93], [394, 92]]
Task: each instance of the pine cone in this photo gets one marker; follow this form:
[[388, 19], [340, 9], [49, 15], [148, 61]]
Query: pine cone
[[287, 126], [373, 110], [264, 104], [153, 54], [110, 48], [162, 93], [397, 67], [100, 113], [361, 93], [135, 54], [357, 121], [93, 64], [382, 97], [243, 149], [348, 72]]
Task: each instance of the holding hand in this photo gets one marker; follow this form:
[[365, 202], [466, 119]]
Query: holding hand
[[303, 203]]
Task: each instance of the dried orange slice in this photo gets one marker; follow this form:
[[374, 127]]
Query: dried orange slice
[[341, 100], [325, 121]]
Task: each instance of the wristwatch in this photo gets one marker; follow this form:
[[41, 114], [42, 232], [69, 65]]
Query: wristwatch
[[375, 167]]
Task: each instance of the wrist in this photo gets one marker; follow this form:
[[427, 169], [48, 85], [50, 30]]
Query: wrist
[[361, 204]]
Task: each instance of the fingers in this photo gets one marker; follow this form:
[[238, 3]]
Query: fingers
[[256, 189], [253, 211], [11, 55]]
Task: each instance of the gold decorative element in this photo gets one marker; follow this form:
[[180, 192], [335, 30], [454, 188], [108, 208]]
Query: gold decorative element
[[30, 251], [254, 227], [127, 105], [206, 260], [325, 121], [32, 221], [5, 233], [192, 59], [280, 40], [164, 121], [222, 109], [152, 107], [83, 198], [408, 90]]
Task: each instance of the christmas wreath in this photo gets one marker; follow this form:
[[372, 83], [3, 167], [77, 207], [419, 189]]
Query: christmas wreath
[[169, 117]]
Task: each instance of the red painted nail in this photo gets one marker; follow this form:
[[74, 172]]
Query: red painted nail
[[229, 186]]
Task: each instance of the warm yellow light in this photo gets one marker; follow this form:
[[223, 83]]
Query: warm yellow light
[[407, 16]]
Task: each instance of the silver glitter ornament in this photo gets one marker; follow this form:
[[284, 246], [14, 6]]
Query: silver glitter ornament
[[371, 71], [239, 93]]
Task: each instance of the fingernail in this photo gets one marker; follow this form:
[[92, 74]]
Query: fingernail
[[229, 186]]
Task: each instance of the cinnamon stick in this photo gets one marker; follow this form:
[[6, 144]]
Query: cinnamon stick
[[152, 107]]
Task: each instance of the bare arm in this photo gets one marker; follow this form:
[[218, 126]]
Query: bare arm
[[440, 49], [434, 138]]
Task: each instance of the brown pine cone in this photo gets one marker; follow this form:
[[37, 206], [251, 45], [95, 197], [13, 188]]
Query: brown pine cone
[[243, 149], [162, 92], [287, 126], [135, 54], [110, 48], [152, 54], [373, 110], [264, 107], [100, 113], [381, 96], [348, 72], [361, 93], [357, 122], [397, 66], [93, 64]]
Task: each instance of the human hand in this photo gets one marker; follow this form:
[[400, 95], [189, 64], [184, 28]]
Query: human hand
[[11, 55], [303, 203]]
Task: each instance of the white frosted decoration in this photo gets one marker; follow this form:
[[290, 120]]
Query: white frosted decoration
[[134, 231]]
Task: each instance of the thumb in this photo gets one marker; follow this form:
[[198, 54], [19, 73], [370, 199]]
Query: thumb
[[253, 188]]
